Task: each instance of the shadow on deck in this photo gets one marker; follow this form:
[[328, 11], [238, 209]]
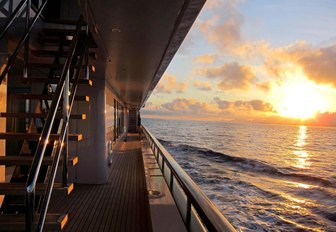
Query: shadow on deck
[[119, 205]]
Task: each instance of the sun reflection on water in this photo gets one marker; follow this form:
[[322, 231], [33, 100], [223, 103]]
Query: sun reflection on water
[[301, 155]]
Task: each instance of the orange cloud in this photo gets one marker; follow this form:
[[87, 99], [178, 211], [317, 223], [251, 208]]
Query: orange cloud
[[217, 110], [253, 105], [186, 105], [317, 63], [266, 86], [208, 59], [223, 29], [206, 86], [168, 84], [232, 75], [320, 65]]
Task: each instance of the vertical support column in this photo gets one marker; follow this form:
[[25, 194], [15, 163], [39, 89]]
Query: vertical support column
[[26, 49], [91, 150], [65, 120]]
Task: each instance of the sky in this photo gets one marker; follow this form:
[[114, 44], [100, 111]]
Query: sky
[[254, 60]]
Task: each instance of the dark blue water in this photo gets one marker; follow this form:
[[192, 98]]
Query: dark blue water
[[262, 177]]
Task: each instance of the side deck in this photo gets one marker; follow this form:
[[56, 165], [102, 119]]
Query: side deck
[[119, 205]]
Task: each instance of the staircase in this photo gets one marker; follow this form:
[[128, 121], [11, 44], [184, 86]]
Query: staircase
[[54, 71]]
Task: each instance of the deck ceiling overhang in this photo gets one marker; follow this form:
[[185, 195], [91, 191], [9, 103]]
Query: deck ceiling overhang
[[137, 40]]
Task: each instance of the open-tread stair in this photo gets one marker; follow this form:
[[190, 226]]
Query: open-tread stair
[[27, 160], [20, 188], [40, 115], [31, 96], [36, 136], [16, 222], [44, 63]]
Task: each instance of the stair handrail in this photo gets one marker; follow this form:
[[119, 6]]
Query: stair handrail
[[24, 38], [12, 18], [59, 148], [45, 134]]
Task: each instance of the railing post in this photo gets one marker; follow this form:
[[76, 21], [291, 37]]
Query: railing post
[[26, 49], [65, 120], [171, 181], [162, 169], [188, 216], [30, 209]]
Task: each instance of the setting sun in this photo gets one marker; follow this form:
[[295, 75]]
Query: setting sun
[[301, 99]]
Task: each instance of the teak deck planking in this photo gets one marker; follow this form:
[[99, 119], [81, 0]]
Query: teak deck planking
[[119, 205]]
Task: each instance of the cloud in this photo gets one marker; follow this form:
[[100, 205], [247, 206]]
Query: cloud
[[223, 28], [207, 58], [253, 105], [320, 65], [215, 110], [324, 119], [265, 86], [186, 105], [206, 86], [168, 84], [232, 75], [181, 108]]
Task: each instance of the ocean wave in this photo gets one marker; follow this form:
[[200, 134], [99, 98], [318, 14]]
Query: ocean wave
[[246, 164]]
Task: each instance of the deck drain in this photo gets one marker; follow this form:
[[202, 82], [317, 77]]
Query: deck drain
[[154, 193]]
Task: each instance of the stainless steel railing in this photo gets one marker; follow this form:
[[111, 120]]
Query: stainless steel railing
[[197, 211]]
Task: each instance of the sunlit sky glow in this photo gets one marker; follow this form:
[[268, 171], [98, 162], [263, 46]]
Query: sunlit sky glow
[[263, 61]]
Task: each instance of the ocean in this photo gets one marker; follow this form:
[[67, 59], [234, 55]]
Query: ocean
[[262, 177]]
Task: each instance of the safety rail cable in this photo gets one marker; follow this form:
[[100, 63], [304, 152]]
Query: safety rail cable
[[212, 219], [23, 38], [44, 138]]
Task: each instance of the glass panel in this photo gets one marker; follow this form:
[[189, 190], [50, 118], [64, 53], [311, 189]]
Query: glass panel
[[167, 174], [155, 152], [196, 224], [180, 199], [160, 161]]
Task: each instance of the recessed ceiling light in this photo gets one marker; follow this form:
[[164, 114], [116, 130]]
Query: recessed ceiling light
[[116, 30]]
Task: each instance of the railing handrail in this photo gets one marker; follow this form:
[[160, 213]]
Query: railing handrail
[[22, 41], [44, 138], [13, 17], [210, 215]]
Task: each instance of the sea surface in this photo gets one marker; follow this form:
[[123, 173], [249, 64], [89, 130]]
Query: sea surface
[[262, 177]]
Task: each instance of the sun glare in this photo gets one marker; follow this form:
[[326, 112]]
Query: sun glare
[[301, 99]]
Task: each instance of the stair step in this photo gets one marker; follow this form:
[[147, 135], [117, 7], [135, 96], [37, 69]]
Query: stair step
[[27, 160], [40, 115], [44, 97], [73, 22], [20, 188], [59, 66], [48, 53], [16, 222], [59, 31], [54, 80], [51, 41], [36, 136], [54, 41]]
